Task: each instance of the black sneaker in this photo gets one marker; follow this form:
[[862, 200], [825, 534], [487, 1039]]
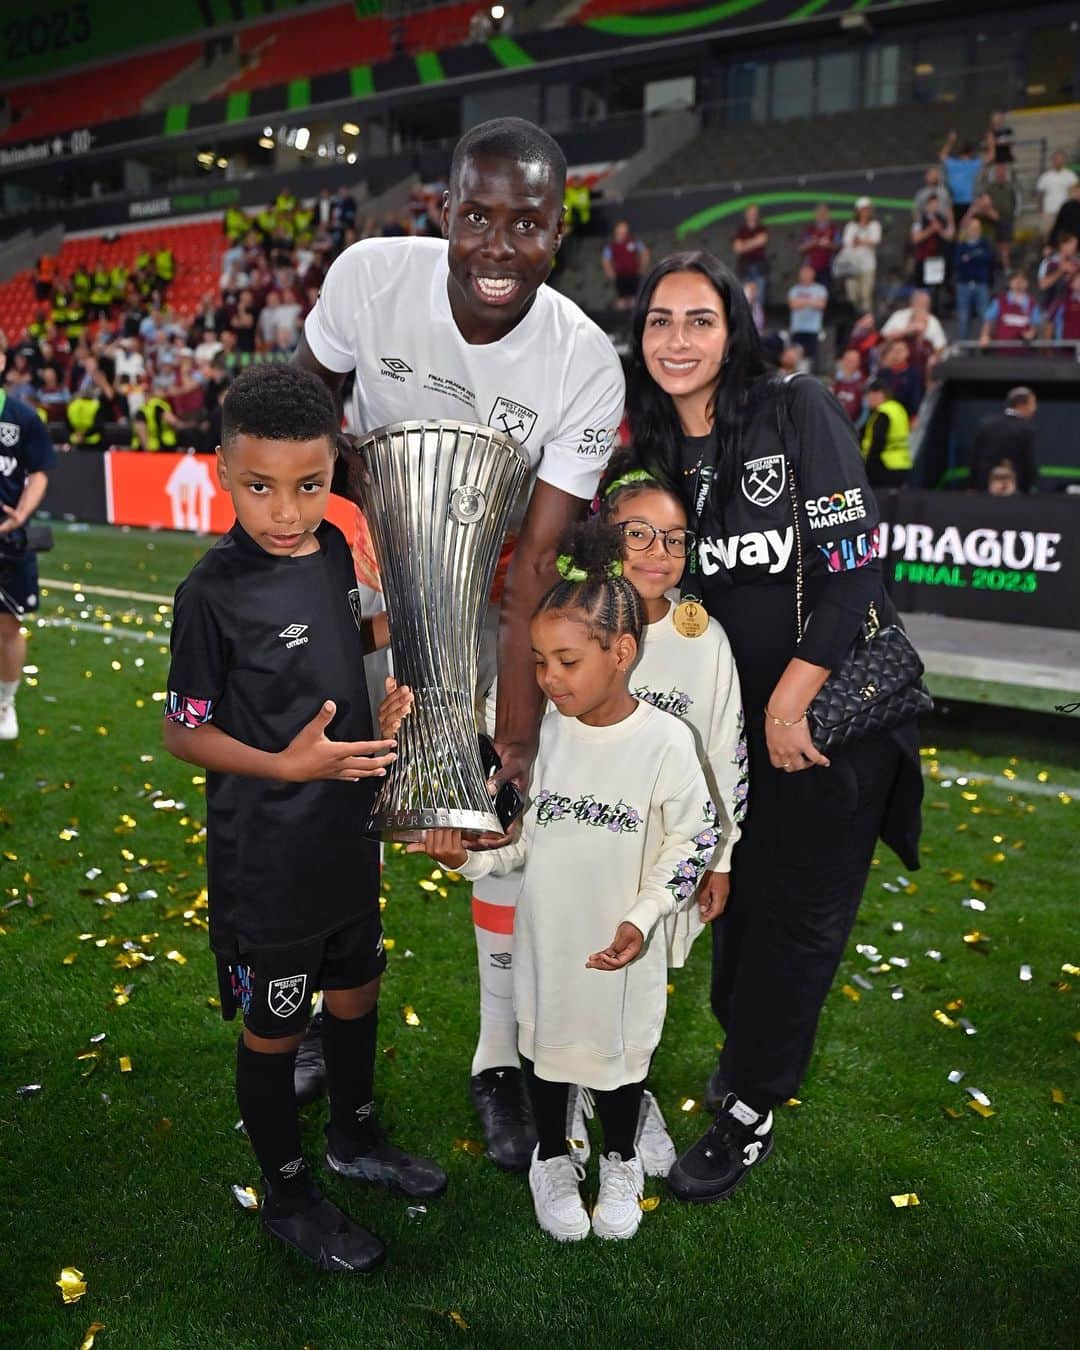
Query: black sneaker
[[506, 1116], [377, 1159], [309, 1075], [715, 1091], [324, 1235], [721, 1159]]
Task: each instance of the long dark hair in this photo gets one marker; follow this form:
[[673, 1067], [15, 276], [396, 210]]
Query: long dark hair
[[654, 423]]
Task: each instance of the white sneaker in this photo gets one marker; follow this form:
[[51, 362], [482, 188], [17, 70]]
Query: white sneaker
[[556, 1193], [618, 1210], [579, 1107], [653, 1143], [9, 723]]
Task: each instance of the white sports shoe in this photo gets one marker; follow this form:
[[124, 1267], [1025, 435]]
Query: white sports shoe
[[653, 1143], [580, 1107], [556, 1193], [9, 723], [618, 1210]]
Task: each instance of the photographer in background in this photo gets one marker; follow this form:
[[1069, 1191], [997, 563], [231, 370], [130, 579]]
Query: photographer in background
[[26, 456]]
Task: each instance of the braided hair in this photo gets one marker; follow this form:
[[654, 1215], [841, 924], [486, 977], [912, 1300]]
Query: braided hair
[[592, 589]]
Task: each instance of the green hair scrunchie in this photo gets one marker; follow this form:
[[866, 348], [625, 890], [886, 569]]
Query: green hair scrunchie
[[567, 569], [627, 479]]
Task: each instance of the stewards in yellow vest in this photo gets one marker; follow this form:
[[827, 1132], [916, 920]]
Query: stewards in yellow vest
[[886, 439], [100, 289], [236, 224], [164, 266], [86, 421], [118, 280], [152, 425]]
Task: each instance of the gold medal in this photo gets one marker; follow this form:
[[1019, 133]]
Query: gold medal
[[690, 618]]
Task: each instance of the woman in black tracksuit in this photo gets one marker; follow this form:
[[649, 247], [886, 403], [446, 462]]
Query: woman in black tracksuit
[[746, 451]]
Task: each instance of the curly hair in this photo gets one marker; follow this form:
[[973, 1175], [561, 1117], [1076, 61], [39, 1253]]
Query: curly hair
[[279, 401], [592, 589]]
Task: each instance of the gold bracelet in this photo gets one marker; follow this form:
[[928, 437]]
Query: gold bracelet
[[782, 722]]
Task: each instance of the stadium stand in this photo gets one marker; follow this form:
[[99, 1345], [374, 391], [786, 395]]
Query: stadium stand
[[304, 45], [101, 94], [196, 246]]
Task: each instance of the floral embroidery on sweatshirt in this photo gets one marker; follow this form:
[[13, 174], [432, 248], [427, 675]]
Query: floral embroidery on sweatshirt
[[586, 810], [685, 878], [741, 760], [676, 701]]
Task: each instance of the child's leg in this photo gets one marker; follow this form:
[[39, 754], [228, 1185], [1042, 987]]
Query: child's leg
[[618, 1110], [264, 1091], [350, 1024], [355, 1144], [549, 1102]]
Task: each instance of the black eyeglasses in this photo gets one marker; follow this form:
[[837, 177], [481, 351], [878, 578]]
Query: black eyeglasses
[[640, 535]]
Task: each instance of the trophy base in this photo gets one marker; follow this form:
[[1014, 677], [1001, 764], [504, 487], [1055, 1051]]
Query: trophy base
[[408, 826]]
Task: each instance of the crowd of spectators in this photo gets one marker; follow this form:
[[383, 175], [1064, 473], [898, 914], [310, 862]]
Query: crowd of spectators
[[108, 361], [966, 277]]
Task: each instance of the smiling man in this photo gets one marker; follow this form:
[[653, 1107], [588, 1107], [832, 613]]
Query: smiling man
[[466, 329]]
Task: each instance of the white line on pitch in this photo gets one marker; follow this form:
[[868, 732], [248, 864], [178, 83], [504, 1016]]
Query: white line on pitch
[[85, 587], [123, 631], [999, 781]]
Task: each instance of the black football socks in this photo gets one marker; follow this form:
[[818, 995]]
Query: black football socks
[[349, 1047], [264, 1091]]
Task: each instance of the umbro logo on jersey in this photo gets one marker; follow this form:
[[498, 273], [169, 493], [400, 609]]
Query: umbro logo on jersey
[[513, 419], [763, 479], [294, 634], [395, 368], [284, 996]]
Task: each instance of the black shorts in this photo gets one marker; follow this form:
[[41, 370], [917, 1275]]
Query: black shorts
[[272, 987], [19, 585], [626, 288]]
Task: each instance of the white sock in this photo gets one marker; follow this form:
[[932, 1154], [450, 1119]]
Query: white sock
[[7, 692], [493, 918]]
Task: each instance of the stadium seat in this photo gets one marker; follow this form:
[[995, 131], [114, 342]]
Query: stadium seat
[[304, 45], [103, 94]]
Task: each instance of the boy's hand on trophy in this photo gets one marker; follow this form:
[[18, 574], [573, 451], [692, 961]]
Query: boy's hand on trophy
[[311, 755], [397, 705], [444, 846]]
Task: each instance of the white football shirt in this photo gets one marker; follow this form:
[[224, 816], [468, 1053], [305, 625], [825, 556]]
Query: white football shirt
[[554, 383]]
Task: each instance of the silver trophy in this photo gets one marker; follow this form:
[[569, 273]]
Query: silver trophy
[[438, 498]]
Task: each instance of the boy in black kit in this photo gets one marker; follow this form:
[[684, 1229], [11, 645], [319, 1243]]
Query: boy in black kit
[[267, 692]]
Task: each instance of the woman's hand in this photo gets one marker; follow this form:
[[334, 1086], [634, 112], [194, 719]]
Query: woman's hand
[[712, 896], [444, 846], [396, 705], [790, 748], [625, 946]]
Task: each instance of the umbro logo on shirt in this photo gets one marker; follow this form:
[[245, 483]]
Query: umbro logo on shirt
[[294, 634], [395, 368]]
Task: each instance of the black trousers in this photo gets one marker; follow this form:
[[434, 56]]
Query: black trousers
[[798, 875]]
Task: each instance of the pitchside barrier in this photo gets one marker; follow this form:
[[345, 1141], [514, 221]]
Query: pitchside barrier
[[962, 554]]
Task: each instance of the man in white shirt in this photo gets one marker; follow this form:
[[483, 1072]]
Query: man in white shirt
[[916, 321], [467, 330], [1053, 187]]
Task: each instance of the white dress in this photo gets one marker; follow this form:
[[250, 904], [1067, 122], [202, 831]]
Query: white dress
[[619, 827]]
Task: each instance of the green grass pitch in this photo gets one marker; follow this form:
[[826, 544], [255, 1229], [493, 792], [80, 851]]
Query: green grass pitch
[[127, 1175]]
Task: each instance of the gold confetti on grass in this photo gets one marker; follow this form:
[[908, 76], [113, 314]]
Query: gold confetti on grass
[[90, 1335], [125, 1063], [247, 1197], [648, 1203], [457, 1319], [1057, 1096], [906, 1200], [410, 1015], [980, 1108], [471, 1146], [72, 1284], [849, 992]]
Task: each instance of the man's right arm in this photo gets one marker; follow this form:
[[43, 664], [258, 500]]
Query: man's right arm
[[333, 379]]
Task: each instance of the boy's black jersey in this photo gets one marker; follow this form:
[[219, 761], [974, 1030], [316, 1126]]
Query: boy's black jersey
[[259, 643], [747, 550]]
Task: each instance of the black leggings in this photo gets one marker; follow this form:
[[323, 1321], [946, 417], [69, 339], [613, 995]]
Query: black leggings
[[618, 1110]]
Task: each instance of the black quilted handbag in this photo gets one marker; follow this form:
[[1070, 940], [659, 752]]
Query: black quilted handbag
[[877, 686]]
